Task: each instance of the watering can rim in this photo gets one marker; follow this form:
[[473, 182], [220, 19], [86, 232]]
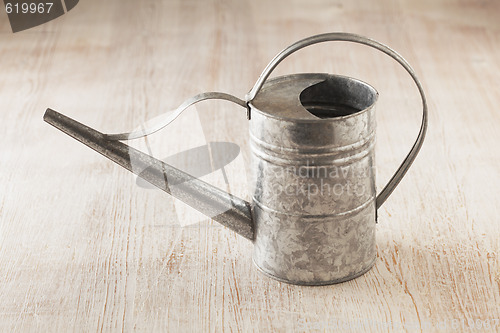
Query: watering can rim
[[322, 77]]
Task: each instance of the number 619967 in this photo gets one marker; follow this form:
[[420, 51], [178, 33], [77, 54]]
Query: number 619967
[[25, 8]]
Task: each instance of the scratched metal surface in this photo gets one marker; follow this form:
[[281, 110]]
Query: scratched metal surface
[[313, 185]]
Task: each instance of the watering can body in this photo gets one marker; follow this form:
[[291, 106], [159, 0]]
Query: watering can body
[[313, 188], [314, 205]]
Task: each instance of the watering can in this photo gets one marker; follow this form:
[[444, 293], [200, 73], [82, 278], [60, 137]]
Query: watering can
[[314, 204]]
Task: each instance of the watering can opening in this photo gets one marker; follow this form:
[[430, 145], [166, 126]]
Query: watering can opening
[[313, 97], [337, 97]]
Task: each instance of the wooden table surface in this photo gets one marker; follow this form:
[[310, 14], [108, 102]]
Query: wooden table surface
[[85, 247]]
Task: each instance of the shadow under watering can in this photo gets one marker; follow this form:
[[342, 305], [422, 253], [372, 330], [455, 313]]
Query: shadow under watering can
[[314, 204]]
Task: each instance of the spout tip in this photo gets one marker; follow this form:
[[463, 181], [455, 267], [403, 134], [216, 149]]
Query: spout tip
[[49, 115], [73, 128]]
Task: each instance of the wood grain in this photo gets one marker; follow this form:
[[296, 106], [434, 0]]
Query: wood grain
[[83, 248]]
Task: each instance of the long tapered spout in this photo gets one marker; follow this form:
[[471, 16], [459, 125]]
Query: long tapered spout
[[222, 207]]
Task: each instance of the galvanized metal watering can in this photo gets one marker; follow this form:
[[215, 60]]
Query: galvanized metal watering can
[[314, 204]]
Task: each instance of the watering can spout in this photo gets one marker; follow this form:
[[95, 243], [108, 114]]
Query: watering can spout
[[222, 207]]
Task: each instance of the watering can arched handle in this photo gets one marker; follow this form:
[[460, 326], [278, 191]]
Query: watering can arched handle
[[347, 37]]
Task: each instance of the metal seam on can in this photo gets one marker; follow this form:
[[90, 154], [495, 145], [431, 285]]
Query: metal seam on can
[[328, 160], [322, 150], [351, 212]]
